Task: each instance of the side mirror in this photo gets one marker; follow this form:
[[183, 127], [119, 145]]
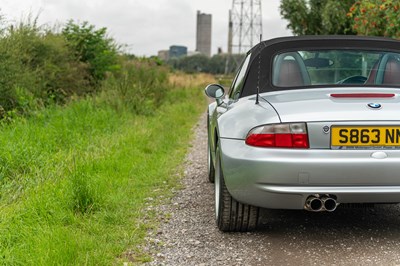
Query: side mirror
[[215, 91]]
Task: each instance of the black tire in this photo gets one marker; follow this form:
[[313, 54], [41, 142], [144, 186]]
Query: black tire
[[231, 216]]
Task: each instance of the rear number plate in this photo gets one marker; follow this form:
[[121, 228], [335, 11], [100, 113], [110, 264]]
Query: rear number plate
[[365, 136]]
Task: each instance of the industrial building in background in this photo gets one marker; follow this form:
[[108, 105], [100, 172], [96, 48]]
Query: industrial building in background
[[203, 36], [177, 51], [245, 25], [163, 55]]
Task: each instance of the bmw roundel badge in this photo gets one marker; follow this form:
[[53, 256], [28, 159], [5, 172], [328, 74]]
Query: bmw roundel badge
[[375, 105]]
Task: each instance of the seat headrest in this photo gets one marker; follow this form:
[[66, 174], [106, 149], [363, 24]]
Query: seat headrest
[[290, 74]]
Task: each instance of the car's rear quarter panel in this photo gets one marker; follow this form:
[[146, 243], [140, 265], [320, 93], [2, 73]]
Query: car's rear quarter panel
[[241, 116]]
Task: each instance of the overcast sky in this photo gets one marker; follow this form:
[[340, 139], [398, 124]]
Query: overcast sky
[[145, 26]]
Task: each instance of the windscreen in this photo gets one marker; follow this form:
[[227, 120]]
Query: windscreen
[[336, 67]]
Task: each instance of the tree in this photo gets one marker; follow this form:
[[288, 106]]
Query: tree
[[376, 18], [92, 46], [334, 17], [315, 17]]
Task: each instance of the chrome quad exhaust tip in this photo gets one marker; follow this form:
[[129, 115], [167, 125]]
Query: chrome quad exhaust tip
[[317, 203], [314, 204], [330, 204]]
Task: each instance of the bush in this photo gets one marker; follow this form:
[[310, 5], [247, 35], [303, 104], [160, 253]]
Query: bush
[[37, 63], [376, 18], [39, 67], [92, 47], [60, 73]]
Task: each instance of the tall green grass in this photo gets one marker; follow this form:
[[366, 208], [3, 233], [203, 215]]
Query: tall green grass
[[139, 86], [74, 180]]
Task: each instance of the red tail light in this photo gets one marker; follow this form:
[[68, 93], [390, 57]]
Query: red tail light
[[293, 135]]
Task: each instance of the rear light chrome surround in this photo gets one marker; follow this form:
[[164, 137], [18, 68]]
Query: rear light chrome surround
[[284, 135]]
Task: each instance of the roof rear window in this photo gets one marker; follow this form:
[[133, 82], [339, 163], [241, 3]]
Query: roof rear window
[[336, 67]]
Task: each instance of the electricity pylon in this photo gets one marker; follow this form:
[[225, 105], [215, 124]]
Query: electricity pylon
[[245, 25]]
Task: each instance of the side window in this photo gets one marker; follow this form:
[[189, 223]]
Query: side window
[[239, 79]]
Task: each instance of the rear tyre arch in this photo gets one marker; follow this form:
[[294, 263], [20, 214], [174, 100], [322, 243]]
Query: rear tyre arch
[[211, 168]]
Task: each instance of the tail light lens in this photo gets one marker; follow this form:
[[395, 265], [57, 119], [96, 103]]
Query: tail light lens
[[291, 135]]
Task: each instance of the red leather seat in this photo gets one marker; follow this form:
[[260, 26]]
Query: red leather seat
[[386, 71], [391, 75]]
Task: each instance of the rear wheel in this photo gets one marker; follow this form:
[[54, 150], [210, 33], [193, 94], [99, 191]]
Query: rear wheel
[[231, 215]]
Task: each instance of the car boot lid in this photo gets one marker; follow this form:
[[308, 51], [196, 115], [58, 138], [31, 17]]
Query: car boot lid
[[342, 104]]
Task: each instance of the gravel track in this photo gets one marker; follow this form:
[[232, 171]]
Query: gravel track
[[189, 236]]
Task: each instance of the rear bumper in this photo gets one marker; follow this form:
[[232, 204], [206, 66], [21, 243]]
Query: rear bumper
[[284, 179]]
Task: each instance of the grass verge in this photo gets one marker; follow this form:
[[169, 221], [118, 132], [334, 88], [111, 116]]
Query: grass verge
[[74, 180]]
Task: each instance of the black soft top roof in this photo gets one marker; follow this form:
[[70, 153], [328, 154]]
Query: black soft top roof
[[263, 53]]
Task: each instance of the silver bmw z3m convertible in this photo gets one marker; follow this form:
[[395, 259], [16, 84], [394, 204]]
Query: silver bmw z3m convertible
[[308, 123]]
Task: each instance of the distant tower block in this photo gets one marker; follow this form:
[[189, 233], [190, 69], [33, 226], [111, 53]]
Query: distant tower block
[[245, 25], [203, 38]]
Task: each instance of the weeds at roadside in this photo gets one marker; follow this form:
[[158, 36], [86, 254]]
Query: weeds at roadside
[[75, 178], [79, 157]]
